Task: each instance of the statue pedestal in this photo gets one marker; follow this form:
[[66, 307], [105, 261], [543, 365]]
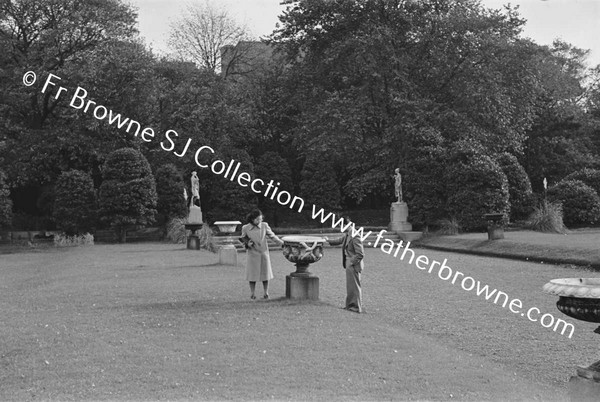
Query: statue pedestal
[[195, 215], [193, 240], [228, 255], [398, 218], [302, 287]]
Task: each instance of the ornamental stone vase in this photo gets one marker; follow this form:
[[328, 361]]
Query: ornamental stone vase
[[227, 252], [580, 298], [302, 251]]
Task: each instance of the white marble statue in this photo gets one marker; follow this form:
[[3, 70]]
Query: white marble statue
[[398, 184]]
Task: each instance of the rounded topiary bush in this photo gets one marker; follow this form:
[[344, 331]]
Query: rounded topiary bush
[[5, 203], [75, 203], [519, 186], [169, 189], [423, 178], [580, 202], [591, 177], [128, 191], [476, 185]]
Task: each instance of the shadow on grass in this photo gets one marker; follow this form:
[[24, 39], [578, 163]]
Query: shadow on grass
[[193, 306]]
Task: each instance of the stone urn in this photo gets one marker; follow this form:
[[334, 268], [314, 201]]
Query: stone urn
[[580, 298], [302, 251], [227, 251], [228, 227]]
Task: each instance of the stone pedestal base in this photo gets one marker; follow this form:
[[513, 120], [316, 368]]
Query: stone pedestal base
[[583, 389], [193, 242], [495, 232], [398, 218], [302, 287], [228, 256]]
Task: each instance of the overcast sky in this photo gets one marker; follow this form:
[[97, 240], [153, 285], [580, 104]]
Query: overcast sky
[[575, 21]]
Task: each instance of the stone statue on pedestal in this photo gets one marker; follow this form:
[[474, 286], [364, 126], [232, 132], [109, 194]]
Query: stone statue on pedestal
[[195, 215], [399, 209]]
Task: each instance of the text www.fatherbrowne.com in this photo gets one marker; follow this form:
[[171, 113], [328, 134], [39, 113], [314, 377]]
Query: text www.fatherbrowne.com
[[445, 273]]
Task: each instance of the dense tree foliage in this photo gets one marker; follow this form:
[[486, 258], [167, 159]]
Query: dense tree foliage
[[319, 185], [580, 202], [5, 203], [446, 90], [75, 205], [169, 189], [519, 187], [475, 186], [127, 195], [272, 166]]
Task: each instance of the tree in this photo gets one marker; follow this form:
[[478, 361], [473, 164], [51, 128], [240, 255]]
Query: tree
[[519, 186], [228, 200], [202, 31], [319, 184], [561, 138], [475, 184], [591, 177], [128, 191], [5, 203], [271, 166], [370, 75], [47, 35], [75, 203], [169, 188], [580, 202]]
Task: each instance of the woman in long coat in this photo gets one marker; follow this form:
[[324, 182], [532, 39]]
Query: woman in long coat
[[258, 261]]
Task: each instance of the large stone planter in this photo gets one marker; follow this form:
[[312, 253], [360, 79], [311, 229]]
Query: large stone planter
[[580, 298], [228, 253], [302, 251], [495, 226], [193, 240]]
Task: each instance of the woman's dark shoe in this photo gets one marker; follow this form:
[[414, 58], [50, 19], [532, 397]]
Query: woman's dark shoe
[[265, 296], [253, 297]]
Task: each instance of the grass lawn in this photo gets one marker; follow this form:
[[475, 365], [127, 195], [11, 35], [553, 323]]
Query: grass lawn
[[579, 246], [158, 322]]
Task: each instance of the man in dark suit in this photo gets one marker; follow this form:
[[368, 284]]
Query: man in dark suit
[[352, 261]]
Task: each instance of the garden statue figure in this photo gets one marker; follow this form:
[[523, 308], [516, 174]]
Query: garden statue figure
[[195, 188], [398, 184]]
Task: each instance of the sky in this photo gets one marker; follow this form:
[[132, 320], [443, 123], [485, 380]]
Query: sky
[[574, 21]]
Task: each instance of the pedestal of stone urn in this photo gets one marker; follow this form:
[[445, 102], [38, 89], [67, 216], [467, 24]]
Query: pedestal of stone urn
[[227, 252], [495, 226], [193, 240], [580, 298], [302, 251], [194, 222]]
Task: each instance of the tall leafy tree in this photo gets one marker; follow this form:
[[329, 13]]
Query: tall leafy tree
[[75, 203], [169, 189], [272, 166], [319, 184], [127, 194], [48, 35], [5, 203], [373, 73]]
